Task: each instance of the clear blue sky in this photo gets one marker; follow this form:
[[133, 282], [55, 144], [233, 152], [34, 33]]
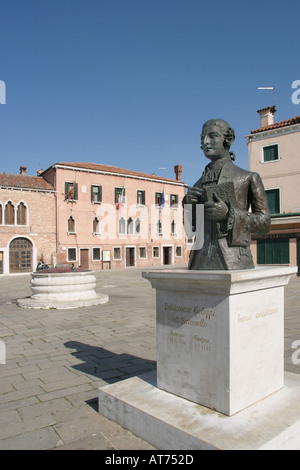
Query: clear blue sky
[[130, 82]]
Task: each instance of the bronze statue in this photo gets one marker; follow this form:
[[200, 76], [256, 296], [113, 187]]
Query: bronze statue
[[235, 204]]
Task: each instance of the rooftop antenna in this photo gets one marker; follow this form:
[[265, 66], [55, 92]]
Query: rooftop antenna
[[269, 88]]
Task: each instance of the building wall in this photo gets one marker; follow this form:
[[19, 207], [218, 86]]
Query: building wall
[[283, 173], [84, 211], [40, 227]]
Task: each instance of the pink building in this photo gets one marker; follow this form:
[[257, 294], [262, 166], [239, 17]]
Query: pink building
[[108, 217], [27, 222], [274, 153]]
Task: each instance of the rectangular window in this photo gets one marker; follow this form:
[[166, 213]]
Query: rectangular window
[[178, 251], [71, 191], [119, 195], [274, 251], [140, 197], [270, 153], [72, 254], [155, 252], [158, 199], [96, 254], [143, 252], [174, 201], [117, 253], [273, 198], [96, 193]]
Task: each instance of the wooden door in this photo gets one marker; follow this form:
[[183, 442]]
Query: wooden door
[[84, 258], [20, 256], [130, 259], [167, 252]]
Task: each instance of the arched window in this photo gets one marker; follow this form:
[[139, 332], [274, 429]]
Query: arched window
[[137, 226], [130, 225], [9, 214], [96, 226], [71, 225], [159, 228], [122, 226], [21, 214], [173, 228]]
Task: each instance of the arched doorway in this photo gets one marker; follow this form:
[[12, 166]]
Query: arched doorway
[[20, 256]]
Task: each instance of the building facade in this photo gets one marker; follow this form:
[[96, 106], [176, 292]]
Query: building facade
[[27, 222], [274, 152], [108, 217]]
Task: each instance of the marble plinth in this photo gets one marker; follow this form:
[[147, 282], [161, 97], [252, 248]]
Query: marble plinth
[[220, 334], [169, 422]]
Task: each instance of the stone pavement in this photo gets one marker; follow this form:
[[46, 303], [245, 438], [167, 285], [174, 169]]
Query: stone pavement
[[57, 359]]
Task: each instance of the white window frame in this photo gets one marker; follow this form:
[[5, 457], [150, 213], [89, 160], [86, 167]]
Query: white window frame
[[262, 153], [117, 259], [76, 254], [178, 256], [143, 257], [96, 248], [71, 233]]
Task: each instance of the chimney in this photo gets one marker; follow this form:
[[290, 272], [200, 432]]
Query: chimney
[[178, 171], [39, 172], [267, 116], [23, 170]]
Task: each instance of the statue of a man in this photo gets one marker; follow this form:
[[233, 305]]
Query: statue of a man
[[235, 204]]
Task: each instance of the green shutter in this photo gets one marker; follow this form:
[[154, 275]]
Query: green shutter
[[275, 251], [270, 153], [273, 200]]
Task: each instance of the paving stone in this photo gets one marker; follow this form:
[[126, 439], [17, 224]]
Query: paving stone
[[57, 361]]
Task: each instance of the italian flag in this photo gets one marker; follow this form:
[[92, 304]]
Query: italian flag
[[120, 199]]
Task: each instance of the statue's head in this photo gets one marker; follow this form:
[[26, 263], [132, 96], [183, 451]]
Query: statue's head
[[216, 138]]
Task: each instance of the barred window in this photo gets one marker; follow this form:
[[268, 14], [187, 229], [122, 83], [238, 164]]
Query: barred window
[[72, 254], [96, 254]]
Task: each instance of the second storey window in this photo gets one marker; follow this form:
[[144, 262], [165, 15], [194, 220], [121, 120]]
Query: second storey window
[[71, 191], [21, 214], [96, 193], [174, 201], [9, 214], [119, 196], [140, 197], [158, 199], [273, 198], [270, 153]]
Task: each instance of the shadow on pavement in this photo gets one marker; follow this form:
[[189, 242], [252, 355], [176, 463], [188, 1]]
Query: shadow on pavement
[[107, 365]]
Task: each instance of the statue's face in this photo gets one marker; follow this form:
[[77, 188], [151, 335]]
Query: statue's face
[[212, 142]]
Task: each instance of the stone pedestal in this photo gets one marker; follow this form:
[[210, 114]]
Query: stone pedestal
[[220, 335], [220, 380]]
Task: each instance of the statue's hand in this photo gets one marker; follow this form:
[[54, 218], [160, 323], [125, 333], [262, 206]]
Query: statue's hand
[[217, 209], [194, 196]]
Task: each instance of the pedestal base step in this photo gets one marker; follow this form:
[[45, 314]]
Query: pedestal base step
[[169, 422]]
